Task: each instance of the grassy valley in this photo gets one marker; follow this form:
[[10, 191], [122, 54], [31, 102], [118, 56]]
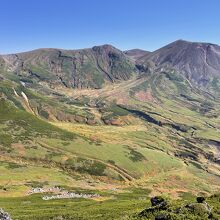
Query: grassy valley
[[126, 138]]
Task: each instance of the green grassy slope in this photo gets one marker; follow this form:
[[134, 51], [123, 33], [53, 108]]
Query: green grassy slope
[[129, 205], [156, 134]]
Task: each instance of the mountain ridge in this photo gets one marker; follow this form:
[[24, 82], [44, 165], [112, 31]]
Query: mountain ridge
[[73, 68], [93, 67]]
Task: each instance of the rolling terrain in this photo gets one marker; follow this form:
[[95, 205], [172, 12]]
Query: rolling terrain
[[125, 125]]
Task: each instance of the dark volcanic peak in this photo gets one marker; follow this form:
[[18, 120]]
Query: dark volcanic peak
[[198, 61]]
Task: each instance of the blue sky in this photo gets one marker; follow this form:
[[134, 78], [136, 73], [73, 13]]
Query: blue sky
[[70, 24]]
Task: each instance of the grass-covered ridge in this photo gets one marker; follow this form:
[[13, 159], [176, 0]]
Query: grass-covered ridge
[[29, 125]]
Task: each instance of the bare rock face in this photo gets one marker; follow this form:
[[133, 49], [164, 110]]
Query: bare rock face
[[157, 200], [200, 199], [197, 61], [4, 215]]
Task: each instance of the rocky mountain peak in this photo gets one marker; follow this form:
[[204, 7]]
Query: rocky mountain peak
[[199, 62]]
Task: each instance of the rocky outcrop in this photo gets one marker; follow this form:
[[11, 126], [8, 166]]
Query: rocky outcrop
[[158, 200], [158, 204], [4, 215], [162, 210]]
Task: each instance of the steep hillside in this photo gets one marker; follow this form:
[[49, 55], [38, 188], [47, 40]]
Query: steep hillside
[[87, 68], [199, 62]]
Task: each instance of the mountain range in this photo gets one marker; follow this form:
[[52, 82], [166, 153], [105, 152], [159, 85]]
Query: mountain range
[[111, 121], [93, 67]]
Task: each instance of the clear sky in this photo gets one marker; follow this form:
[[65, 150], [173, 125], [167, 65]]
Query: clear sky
[[71, 24]]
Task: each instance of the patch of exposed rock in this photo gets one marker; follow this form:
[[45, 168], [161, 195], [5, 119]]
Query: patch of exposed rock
[[4, 215]]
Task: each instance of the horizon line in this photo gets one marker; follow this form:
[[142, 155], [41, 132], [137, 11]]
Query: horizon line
[[85, 48]]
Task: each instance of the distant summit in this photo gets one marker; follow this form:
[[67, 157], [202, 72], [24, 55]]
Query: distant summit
[[136, 53], [197, 61]]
